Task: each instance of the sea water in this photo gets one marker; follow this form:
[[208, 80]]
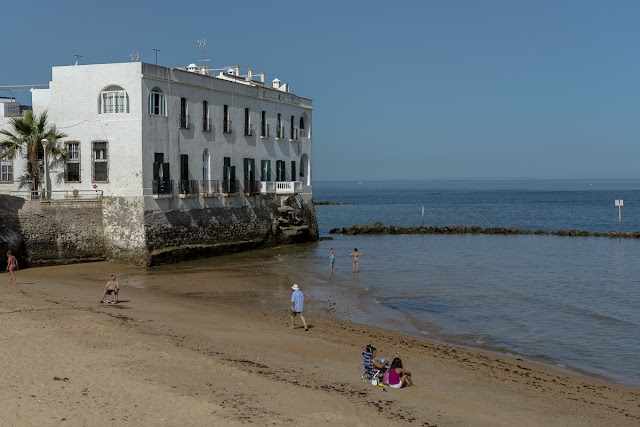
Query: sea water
[[568, 301]]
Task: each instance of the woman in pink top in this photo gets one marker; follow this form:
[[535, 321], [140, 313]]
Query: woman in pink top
[[399, 377]]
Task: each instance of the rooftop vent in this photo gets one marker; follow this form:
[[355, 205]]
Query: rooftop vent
[[192, 68]]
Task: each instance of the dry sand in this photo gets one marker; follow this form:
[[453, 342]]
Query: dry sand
[[214, 348]]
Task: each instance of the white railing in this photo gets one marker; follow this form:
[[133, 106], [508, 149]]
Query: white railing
[[267, 187], [288, 187], [58, 194]]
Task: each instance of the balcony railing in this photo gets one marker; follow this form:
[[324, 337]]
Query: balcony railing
[[206, 124], [280, 133], [267, 187], [162, 186], [230, 186], [58, 194], [184, 121], [303, 133], [294, 134], [248, 130], [288, 187], [251, 187], [209, 187], [188, 187]]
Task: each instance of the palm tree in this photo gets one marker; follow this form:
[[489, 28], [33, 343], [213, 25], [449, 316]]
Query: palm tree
[[28, 132]]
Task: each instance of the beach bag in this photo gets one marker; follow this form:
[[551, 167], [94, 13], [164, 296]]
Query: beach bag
[[385, 377]]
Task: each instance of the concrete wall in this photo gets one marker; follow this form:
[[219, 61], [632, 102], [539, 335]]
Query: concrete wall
[[125, 240]]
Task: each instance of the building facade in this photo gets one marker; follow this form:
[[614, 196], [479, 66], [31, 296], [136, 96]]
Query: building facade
[[183, 163]]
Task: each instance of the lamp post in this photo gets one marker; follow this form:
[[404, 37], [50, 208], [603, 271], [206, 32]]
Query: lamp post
[[45, 142]]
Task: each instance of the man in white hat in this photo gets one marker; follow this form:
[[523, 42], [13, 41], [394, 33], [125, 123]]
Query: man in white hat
[[297, 303]]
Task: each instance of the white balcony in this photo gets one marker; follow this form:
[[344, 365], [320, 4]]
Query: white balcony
[[267, 187]]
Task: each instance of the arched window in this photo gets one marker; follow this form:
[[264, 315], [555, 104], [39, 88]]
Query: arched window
[[301, 122], [113, 99], [156, 102]]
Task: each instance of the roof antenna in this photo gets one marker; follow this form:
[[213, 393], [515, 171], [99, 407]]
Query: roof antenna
[[204, 59], [134, 56], [77, 58]]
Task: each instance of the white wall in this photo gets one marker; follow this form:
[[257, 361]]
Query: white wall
[[74, 108]]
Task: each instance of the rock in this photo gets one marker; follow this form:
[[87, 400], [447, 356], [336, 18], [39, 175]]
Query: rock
[[574, 233], [286, 209], [335, 231], [325, 238]]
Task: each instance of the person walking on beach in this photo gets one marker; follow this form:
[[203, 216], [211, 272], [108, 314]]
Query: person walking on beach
[[297, 304], [355, 255], [332, 257], [12, 266], [112, 289]]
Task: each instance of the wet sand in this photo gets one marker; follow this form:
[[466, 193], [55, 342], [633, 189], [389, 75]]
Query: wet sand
[[212, 347]]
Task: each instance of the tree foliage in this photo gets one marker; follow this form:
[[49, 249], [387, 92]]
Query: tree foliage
[[26, 139]]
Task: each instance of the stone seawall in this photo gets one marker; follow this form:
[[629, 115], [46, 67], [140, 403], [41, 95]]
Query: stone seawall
[[42, 233], [175, 236], [119, 229]]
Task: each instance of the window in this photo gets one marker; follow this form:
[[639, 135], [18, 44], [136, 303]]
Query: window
[[184, 167], [279, 128], [264, 127], [113, 99], [72, 168], [184, 118], [247, 122], [293, 171], [265, 172], [206, 126], [293, 135], [205, 164], [226, 120], [281, 170], [162, 183], [156, 102], [301, 122], [302, 166], [100, 166], [229, 184], [6, 167], [249, 169]]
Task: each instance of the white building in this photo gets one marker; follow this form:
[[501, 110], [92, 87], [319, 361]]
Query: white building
[[169, 140]]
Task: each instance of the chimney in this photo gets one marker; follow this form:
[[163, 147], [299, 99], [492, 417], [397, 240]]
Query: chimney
[[276, 83], [262, 77], [250, 75], [237, 70]]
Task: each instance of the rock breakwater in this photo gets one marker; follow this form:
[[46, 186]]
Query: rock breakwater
[[380, 228]]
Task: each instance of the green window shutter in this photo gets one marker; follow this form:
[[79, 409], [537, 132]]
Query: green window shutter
[[165, 171]]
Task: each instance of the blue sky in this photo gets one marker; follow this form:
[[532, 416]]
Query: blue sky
[[492, 89]]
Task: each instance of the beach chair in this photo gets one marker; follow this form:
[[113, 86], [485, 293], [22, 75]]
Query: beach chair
[[371, 373]]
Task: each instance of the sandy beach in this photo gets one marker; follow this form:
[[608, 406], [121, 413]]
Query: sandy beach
[[214, 348]]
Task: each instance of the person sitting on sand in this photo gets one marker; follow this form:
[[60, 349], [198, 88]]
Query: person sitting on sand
[[12, 266], [381, 364], [112, 289], [399, 377]]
